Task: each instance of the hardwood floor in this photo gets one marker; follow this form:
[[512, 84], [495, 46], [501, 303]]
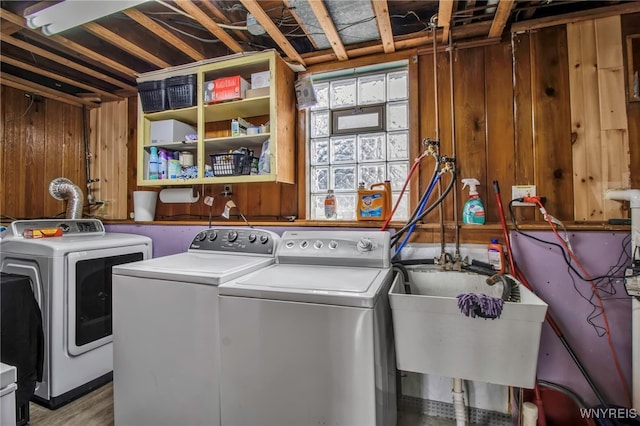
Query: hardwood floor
[[96, 409], [93, 409]]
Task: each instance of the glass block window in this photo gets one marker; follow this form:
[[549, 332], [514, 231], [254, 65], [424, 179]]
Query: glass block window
[[339, 158]]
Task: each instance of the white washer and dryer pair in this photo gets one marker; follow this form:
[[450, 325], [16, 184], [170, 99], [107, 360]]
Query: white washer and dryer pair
[[224, 335]]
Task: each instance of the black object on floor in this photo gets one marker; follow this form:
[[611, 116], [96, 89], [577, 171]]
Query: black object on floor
[[22, 338]]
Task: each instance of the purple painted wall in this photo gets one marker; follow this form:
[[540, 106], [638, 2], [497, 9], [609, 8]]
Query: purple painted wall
[[548, 274], [546, 270]]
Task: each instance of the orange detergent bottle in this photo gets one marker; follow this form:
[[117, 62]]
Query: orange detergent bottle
[[374, 203]]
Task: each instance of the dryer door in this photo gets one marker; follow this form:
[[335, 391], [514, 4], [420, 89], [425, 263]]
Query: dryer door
[[89, 295]]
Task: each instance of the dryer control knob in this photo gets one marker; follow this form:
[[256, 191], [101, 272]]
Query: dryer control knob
[[201, 236], [213, 235], [364, 244], [252, 238], [290, 244], [232, 236], [318, 244], [333, 244], [264, 238]]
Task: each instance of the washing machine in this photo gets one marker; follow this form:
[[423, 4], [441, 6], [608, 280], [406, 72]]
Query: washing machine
[[71, 281], [8, 378], [309, 340], [166, 336]]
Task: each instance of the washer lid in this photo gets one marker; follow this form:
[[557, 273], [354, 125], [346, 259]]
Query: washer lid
[[203, 268], [8, 375], [60, 246], [346, 286]]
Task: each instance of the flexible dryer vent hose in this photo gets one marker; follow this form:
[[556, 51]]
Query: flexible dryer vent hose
[[63, 189]]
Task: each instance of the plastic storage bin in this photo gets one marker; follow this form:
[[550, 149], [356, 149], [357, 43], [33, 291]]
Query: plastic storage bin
[[232, 164], [153, 96], [432, 336], [181, 91]]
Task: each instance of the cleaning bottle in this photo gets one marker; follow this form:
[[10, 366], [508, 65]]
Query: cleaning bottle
[[154, 161], [330, 205], [495, 253], [373, 203], [473, 211], [163, 165]]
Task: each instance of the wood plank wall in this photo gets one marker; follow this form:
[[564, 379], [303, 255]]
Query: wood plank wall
[[512, 118], [40, 142]]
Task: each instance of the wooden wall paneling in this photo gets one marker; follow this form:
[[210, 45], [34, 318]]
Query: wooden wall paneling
[[523, 125], [263, 199], [427, 125], [15, 114], [37, 183], [108, 146], [471, 143], [132, 150], [500, 147], [446, 145], [585, 121], [552, 121], [69, 145], [415, 132], [613, 117], [289, 200], [630, 24]]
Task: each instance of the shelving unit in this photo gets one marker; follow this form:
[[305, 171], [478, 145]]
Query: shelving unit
[[213, 121]]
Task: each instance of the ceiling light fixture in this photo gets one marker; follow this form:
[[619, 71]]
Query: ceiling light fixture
[[72, 13]]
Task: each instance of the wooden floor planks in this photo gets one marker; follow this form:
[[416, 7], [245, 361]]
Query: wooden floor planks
[[93, 409]]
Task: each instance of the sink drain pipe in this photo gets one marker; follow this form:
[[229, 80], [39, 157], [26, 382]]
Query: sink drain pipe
[[458, 403]]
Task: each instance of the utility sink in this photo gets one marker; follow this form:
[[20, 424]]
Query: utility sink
[[432, 336]]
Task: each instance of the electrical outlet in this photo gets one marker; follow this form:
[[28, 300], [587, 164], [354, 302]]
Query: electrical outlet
[[227, 190], [520, 191]]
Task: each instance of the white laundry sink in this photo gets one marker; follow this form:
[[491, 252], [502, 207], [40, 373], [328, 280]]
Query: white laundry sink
[[432, 336]]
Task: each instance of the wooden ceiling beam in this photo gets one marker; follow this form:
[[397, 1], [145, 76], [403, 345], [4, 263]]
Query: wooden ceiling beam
[[583, 15], [381, 11], [66, 62], [38, 70], [303, 27], [326, 22], [219, 15], [18, 20], [263, 19], [37, 89], [445, 12], [163, 33], [501, 17], [9, 28], [124, 44], [211, 26]]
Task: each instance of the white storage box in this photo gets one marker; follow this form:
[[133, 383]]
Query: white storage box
[[432, 336], [168, 131], [260, 79]]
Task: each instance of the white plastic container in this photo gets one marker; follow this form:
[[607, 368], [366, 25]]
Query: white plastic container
[[432, 336], [168, 131], [8, 377]]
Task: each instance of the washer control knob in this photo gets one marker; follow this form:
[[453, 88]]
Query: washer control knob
[[290, 244], [364, 244], [252, 238], [318, 244], [213, 235], [232, 236], [201, 236], [264, 238], [333, 244], [304, 244]]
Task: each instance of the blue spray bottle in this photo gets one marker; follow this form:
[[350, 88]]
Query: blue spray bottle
[[473, 211]]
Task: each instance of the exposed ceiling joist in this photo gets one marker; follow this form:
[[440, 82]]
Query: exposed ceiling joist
[[9, 28], [37, 89], [66, 62], [263, 19], [501, 17], [217, 13], [38, 70], [204, 20], [78, 48], [124, 44], [303, 27], [445, 11], [326, 22], [381, 10], [163, 33]]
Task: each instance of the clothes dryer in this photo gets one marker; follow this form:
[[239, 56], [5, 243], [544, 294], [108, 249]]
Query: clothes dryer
[[309, 340], [166, 336]]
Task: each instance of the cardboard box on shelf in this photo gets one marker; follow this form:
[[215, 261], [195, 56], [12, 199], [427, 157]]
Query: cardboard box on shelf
[[260, 79], [225, 89], [256, 93]]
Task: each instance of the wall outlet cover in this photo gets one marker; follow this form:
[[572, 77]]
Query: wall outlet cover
[[520, 191]]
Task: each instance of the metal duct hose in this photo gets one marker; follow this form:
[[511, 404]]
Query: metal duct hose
[[63, 189]]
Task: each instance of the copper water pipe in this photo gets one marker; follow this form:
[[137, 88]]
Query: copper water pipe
[[453, 153]]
